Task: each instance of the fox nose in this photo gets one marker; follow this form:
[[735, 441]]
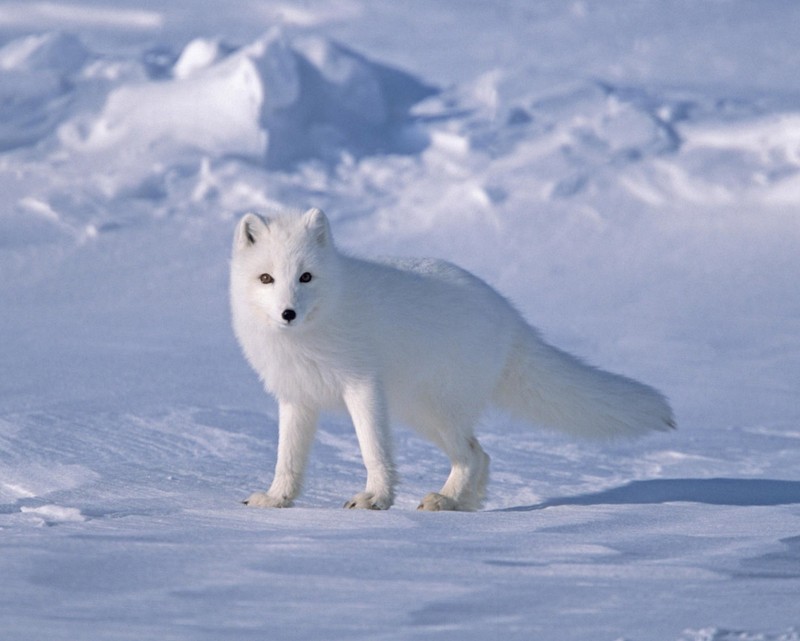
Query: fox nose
[[289, 315]]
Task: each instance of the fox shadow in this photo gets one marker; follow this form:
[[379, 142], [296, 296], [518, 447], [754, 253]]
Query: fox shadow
[[711, 491]]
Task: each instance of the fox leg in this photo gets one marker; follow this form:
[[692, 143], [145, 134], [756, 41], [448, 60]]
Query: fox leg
[[367, 407], [465, 487], [296, 428]]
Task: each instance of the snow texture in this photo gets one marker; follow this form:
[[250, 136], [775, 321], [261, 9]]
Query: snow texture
[[627, 173]]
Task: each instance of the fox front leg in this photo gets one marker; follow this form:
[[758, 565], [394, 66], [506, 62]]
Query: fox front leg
[[296, 427], [367, 407]]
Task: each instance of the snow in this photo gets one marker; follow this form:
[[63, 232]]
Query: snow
[[628, 174]]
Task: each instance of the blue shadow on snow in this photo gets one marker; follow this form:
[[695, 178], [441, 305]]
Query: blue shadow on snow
[[714, 491]]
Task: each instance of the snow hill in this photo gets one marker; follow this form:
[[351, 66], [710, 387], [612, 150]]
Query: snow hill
[[627, 173]]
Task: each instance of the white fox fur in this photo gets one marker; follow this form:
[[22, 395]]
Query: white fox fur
[[422, 341]]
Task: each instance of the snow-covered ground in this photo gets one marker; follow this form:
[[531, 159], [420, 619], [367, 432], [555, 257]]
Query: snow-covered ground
[[628, 173]]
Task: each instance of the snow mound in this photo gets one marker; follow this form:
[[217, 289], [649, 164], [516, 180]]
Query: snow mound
[[58, 53], [273, 102], [757, 153], [52, 514], [36, 85], [588, 140]]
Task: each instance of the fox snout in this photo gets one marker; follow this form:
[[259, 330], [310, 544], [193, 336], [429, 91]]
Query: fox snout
[[288, 315]]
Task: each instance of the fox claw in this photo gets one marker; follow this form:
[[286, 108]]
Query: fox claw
[[368, 501]]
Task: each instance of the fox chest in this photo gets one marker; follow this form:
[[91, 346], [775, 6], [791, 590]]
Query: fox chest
[[303, 375]]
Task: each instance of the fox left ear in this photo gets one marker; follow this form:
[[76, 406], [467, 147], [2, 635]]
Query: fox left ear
[[317, 223]]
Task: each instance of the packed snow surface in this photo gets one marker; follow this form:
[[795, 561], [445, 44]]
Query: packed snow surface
[[627, 173]]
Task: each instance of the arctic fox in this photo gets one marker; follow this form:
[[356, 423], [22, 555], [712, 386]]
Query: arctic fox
[[422, 341]]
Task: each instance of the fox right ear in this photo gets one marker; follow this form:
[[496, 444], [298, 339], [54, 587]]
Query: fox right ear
[[250, 227]]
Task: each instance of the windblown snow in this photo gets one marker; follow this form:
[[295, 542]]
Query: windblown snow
[[627, 174]]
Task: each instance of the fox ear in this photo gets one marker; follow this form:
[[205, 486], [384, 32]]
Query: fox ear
[[250, 228], [317, 223]]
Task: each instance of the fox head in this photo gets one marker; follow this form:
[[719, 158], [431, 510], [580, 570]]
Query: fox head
[[282, 269]]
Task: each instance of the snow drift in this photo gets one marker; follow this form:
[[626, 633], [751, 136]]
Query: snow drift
[[274, 102]]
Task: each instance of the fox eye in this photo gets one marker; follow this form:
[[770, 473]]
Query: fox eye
[[266, 279], [305, 277]]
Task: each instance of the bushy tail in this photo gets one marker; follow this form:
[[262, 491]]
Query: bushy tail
[[547, 386]]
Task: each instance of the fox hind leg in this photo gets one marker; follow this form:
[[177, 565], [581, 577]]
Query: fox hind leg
[[465, 487]]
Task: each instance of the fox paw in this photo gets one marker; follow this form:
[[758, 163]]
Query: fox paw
[[435, 502], [264, 499], [368, 501]]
